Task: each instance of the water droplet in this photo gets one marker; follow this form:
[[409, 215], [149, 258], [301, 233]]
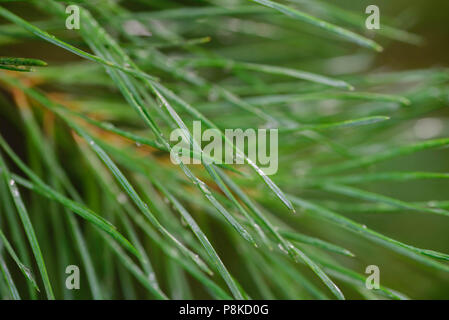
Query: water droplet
[[109, 126], [258, 228], [281, 247], [432, 204], [204, 187], [12, 182], [121, 198]]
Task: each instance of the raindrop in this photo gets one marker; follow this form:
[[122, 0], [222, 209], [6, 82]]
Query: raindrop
[[121, 198], [281, 247], [432, 204]]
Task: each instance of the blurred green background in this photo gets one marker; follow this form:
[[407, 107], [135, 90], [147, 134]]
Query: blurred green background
[[430, 19]]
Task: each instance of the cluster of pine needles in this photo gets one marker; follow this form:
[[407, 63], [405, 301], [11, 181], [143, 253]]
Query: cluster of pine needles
[[86, 176]]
